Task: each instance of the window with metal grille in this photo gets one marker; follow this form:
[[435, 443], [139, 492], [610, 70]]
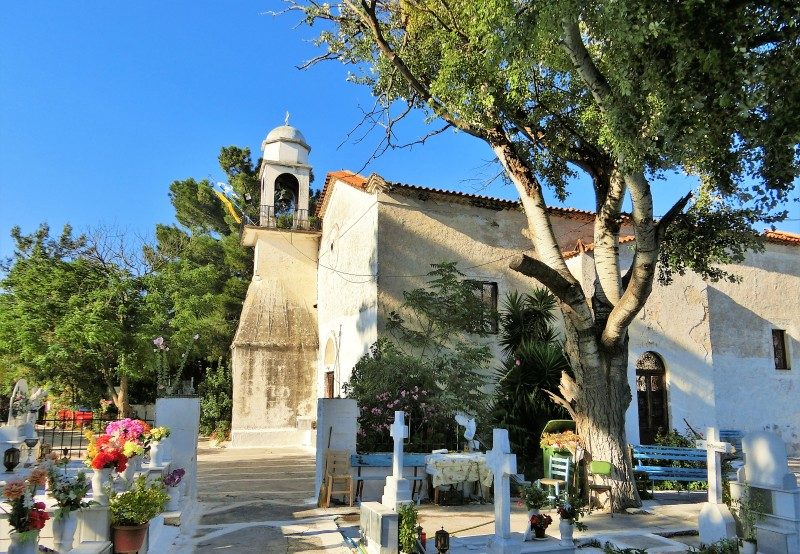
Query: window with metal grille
[[486, 291], [779, 349]]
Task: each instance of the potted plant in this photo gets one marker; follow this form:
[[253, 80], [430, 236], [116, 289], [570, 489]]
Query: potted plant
[[750, 510], [534, 497], [26, 516], [539, 523], [69, 493], [172, 481], [407, 527], [570, 508], [132, 510]]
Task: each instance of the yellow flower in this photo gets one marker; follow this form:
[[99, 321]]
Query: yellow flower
[[132, 449]]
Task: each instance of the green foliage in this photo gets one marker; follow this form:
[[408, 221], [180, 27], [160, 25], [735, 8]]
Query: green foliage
[[724, 546], [531, 372], [431, 370], [143, 501], [216, 399], [70, 307], [675, 438], [407, 527], [749, 509], [533, 496]]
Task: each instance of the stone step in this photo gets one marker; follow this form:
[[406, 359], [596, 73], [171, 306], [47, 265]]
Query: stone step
[[92, 547]]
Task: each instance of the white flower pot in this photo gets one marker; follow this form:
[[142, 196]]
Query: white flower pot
[[566, 528], [24, 543], [100, 479], [134, 465], [528, 529], [64, 531]]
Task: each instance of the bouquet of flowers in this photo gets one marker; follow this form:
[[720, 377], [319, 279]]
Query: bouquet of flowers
[[173, 478], [105, 451], [157, 434], [26, 516], [571, 508], [128, 429], [68, 491]]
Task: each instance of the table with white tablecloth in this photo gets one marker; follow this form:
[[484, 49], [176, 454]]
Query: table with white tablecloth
[[458, 468]]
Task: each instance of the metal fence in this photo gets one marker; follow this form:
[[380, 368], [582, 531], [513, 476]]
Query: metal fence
[[65, 433]]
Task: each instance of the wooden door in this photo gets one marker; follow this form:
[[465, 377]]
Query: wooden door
[[651, 397]]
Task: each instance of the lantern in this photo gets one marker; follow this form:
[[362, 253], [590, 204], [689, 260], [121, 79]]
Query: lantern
[[11, 459], [442, 541]]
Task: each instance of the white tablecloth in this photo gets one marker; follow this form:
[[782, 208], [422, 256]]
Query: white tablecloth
[[450, 469]]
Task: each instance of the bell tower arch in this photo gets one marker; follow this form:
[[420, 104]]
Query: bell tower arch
[[285, 179]]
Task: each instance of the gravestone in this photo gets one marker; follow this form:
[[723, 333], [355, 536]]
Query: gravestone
[[767, 473], [398, 488], [715, 521], [379, 528], [502, 463]]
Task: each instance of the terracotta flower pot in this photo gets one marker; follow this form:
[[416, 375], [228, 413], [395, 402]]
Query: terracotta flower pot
[[128, 539]]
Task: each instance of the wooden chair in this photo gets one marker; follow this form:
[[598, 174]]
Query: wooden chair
[[604, 470], [559, 474], [337, 474]]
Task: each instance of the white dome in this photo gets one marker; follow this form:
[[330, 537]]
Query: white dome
[[286, 133]]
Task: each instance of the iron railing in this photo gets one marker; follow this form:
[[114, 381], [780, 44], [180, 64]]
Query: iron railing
[[299, 219], [65, 433]]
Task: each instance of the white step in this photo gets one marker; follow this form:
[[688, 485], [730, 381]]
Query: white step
[[92, 547]]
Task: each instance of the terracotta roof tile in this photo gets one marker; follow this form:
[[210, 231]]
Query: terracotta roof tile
[[360, 182], [353, 179], [782, 237]]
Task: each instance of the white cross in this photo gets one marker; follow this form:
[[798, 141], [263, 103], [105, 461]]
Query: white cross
[[714, 450], [286, 119], [503, 464], [399, 432]]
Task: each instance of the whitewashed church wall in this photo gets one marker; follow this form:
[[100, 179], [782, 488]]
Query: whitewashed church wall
[[415, 233], [751, 393], [347, 289]]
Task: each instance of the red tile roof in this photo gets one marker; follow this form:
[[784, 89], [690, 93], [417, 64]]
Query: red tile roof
[[360, 182], [782, 237]]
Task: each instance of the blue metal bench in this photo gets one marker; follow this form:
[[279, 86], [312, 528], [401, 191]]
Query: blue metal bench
[[733, 437], [667, 454], [384, 460]]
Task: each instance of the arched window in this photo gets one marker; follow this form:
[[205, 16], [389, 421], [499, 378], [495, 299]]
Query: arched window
[[651, 396], [287, 191], [329, 359]]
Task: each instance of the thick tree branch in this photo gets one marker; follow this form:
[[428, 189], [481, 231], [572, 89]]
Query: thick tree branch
[[582, 60], [608, 287]]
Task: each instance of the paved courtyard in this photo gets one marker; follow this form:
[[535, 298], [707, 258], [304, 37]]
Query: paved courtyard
[[260, 501]]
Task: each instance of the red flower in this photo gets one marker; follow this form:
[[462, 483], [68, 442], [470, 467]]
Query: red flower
[[37, 516]]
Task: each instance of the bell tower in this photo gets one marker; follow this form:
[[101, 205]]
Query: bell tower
[[285, 178], [275, 349]]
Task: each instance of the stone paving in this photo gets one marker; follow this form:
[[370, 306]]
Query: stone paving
[[260, 501]]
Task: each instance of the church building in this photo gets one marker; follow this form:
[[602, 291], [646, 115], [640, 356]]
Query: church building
[[701, 353]]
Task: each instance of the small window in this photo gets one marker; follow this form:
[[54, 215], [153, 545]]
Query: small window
[[779, 349], [329, 384], [487, 293]]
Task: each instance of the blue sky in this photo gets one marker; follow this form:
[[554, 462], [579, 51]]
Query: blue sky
[[103, 104]]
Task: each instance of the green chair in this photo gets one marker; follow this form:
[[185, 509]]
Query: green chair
[[559, 475], [605, 471]]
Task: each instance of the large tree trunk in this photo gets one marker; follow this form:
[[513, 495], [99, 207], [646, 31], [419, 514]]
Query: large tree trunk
[[120, 398]]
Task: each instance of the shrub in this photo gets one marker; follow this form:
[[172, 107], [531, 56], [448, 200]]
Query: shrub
[[407, 527], [216, 400], [143, 501]]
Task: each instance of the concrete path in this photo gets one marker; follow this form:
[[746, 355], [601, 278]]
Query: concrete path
[[261, 501]]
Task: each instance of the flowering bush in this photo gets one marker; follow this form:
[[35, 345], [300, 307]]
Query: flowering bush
[[105, 451], [25, 515], [570, 508], [174, 477]]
